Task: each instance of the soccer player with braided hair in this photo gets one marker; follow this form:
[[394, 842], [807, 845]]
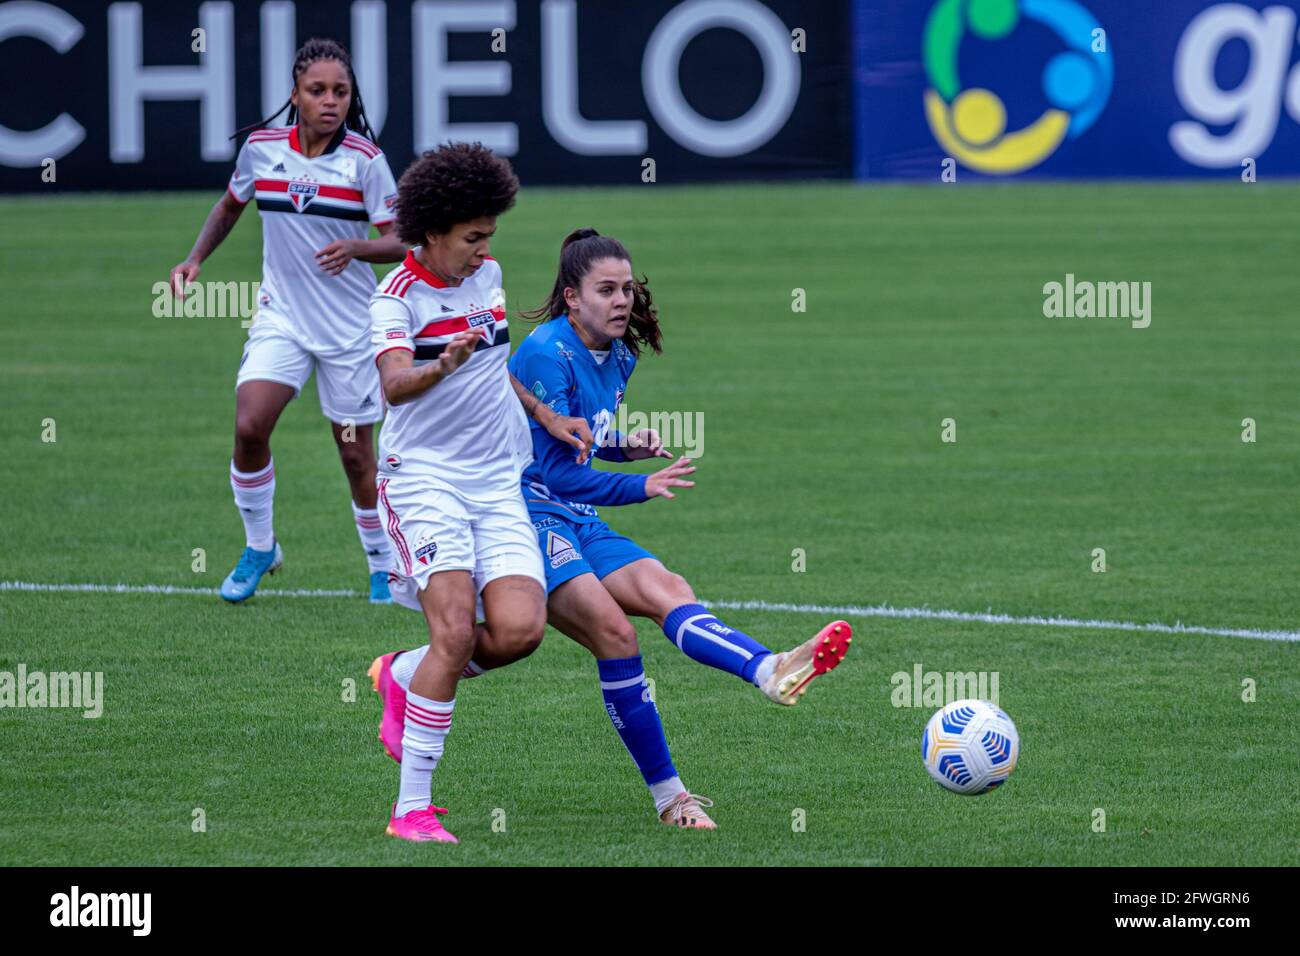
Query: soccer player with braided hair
[[320, 183]]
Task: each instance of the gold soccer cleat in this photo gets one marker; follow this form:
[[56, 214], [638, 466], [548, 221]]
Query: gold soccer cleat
[[687, 811], [796, 668]]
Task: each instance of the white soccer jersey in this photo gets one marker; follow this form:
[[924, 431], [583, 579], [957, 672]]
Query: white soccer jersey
[[469, 430], [305, 204]]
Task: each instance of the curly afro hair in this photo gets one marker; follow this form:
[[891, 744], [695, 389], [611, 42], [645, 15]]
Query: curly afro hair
[[455, 183]]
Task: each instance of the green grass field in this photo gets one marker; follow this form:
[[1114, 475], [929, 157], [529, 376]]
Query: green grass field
[[822, 432]]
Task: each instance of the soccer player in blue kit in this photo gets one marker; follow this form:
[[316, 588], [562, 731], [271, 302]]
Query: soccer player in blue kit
[[579, 361]]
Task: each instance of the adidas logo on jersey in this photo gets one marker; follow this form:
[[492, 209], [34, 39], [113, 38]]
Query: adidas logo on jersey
[[447, 308], [367, 402], [278, 168]]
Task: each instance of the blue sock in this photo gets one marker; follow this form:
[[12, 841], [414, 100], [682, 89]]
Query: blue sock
[[635, 717], [702, 637]]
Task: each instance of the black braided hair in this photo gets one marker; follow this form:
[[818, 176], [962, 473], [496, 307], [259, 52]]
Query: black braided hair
[[321, 49]]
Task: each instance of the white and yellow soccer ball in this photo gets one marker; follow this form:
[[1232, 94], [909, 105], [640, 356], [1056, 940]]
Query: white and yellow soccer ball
[[970, 746]]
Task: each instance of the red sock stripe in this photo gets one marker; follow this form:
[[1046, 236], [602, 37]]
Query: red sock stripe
[[252, 482], [426, 712], [427, 723]]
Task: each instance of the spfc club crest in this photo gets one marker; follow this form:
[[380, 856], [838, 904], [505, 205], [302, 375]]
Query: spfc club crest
[[300, 194], [486, 323], [425, 549]]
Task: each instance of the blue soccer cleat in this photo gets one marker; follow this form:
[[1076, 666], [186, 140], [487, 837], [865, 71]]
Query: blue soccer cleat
[[242, 582], [379, 593]]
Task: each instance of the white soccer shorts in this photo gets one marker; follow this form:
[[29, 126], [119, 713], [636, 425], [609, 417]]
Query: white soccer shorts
[[347, 382], [432, 528]]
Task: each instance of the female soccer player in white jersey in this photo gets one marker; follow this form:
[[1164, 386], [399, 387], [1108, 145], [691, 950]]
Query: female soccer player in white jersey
[[579, 362], [320, 184], [452, 450]]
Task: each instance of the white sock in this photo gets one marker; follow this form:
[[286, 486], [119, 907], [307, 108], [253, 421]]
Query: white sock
[[406, 662], [254, 494], [374, 541], [764, 669], [665, 790], [425, 733]]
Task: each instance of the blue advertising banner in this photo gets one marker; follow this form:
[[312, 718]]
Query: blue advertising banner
[[1075, 88]]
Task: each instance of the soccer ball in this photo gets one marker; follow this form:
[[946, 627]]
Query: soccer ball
[[970, 746]]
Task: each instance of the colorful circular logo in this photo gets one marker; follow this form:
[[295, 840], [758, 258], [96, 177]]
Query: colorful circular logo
[[971, 124]]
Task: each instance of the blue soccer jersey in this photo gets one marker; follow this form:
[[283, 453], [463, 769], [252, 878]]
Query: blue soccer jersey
[[560, 370]]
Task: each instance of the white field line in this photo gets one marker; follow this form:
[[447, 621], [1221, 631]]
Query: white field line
[[841, 610]]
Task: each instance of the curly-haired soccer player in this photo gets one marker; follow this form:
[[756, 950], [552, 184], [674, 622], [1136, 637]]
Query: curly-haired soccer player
[[452, 451]]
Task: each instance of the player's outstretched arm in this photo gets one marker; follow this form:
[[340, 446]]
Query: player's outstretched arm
[[600, 488], [402, 381], [574, 432], [335, 257], [216, 227], [586, 485]]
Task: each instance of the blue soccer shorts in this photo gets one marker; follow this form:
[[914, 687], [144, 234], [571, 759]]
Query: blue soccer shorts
[[570, 548]]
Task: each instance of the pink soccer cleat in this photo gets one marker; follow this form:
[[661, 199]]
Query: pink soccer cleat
[[393, 698], [420, 826]]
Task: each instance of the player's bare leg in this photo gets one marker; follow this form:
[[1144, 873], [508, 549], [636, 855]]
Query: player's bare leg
[[258, 405], [514, 611], [356, 445], [645, 588], [582, 609]]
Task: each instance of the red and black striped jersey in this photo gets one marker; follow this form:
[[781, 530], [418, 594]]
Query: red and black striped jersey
[[468, 431], [306, 203]]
